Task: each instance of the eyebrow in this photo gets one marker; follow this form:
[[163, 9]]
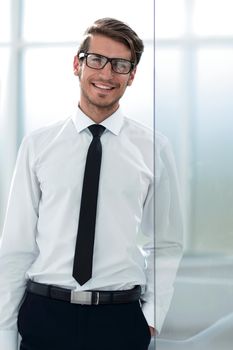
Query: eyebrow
[[111, 58]]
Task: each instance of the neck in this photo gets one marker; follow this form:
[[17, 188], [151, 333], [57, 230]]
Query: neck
[[98, 114]]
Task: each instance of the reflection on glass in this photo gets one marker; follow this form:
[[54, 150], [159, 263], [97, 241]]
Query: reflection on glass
[[213, 17], [171, 115], [202, 138], [169, 95]]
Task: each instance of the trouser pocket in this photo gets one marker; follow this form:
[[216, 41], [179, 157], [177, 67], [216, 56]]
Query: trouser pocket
[[141, 324]]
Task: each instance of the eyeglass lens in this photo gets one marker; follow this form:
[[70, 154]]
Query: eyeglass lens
[[121, 66]]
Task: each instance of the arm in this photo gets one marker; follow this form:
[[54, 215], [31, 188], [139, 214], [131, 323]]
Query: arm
[[164, 251], [17, 246], [168, 230]]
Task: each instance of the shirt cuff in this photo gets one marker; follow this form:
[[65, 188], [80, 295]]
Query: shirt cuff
[[148, 311], [8, 340], [155, 320], [160, 318]]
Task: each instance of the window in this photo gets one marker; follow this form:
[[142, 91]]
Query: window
[[4, 21], [213, 18], [194, 84]]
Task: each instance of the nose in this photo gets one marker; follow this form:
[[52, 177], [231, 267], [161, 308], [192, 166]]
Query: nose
[[107, 70]]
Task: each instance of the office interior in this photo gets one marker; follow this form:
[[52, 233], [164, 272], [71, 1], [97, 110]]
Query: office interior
[[183, 88]]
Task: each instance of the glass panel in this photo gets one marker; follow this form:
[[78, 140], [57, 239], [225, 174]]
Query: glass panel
[[171, 117], [4, 66], [213, 17], [66, 20], [4, 20], [169, 106], [213, 206], [169, 18]]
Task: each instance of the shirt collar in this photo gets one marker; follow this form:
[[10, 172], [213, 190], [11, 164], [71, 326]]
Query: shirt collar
[[113, 123]]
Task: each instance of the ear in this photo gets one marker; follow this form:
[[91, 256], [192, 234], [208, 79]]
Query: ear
[[76, 65], [131, 76]]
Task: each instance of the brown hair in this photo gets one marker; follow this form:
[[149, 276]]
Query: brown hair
[[115, 30]]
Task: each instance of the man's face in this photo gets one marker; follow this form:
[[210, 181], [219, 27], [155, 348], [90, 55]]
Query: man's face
[[102, 89]]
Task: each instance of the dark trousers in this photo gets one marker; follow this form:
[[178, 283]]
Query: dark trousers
[[48, 324]]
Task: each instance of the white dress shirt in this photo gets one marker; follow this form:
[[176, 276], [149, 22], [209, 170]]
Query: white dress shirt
[[40, 229]]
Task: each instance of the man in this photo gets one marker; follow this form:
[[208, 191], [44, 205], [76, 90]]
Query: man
[[82, 197]]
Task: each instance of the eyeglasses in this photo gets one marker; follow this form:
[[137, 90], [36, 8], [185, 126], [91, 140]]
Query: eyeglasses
[[96, 61]]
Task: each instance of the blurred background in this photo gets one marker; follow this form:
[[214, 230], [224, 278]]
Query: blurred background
[[194, 108], [190, 92]]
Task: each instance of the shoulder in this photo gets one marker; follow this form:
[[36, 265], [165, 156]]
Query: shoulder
[[42, 137], [164, 155], [48, 131], [161, 142], [138, 129]]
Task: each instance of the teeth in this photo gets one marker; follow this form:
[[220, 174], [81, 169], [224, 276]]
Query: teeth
[[103, 87]]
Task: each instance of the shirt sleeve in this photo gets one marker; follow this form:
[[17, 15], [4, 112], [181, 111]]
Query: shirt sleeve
[[17, 246], [162, 220]]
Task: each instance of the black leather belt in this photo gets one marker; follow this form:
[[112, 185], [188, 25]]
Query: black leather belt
[[84, 297]]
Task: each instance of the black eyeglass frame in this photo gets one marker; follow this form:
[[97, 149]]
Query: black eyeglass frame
[[83, 55]]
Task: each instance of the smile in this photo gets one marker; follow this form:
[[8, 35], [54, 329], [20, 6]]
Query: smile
[[103, 86]]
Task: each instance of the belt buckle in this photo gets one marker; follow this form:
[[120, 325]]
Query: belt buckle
[[85, 297], [81, 297]]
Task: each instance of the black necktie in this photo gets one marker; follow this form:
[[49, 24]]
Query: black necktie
[[82, 268]]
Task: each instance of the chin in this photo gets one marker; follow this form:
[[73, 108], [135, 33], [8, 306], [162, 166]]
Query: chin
[[104, 104]]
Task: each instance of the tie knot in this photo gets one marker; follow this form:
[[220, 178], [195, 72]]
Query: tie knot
[[96, 130]]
